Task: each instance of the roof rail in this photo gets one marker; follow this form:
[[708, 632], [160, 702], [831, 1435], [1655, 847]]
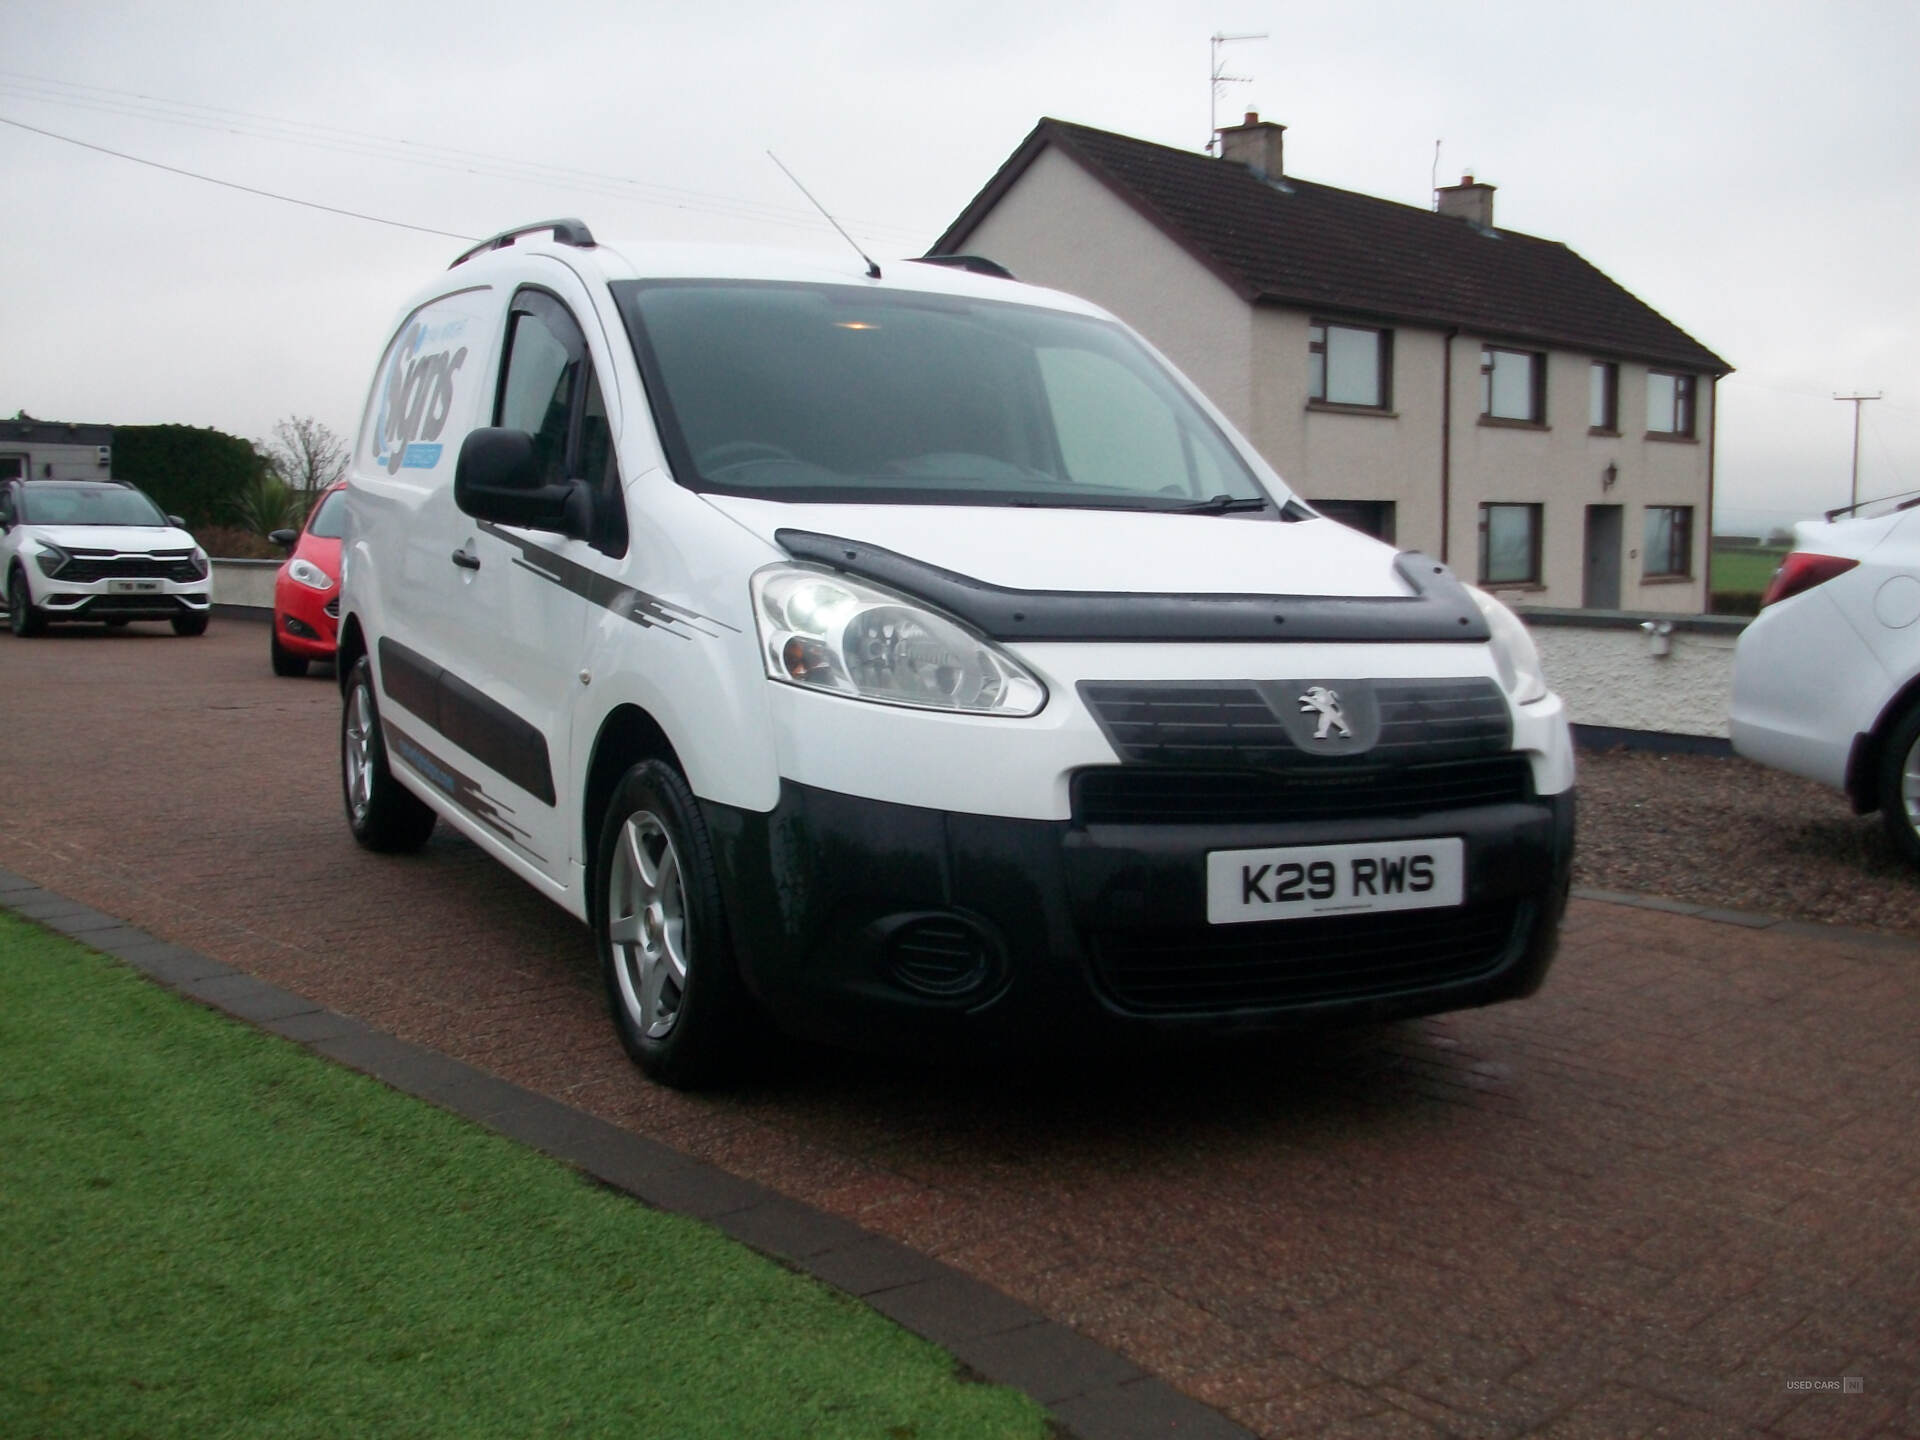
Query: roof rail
[[565, 232], [978, 264]]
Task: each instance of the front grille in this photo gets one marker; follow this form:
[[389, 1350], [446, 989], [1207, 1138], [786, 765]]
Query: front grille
[[1169, 795], [87, 566], [1286, 963], [332, 608], [1235, 722]]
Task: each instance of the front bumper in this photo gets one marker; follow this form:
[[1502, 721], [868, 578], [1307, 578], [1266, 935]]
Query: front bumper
[[97, 603], [306, 621], [896, 927]]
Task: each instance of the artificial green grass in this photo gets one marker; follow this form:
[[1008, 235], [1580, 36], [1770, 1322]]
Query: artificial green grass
[[206, 1232]]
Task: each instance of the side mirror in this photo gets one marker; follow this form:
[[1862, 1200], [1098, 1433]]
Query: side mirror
[[497, 477], [283, 538], [176, 522]]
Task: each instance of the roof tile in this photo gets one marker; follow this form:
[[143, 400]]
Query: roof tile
[[1294, 242]]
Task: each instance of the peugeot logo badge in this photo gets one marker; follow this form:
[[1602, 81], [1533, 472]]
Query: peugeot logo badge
[[1325, 703]]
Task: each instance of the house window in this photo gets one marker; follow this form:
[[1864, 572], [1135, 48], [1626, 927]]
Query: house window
[[1513, 385], [1369, 517], [1348, 364], [1510, 544], [1669, 541], [1669, 403], [1603, 397]]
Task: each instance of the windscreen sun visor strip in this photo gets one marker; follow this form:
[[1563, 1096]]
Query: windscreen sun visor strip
[[1437, 606]]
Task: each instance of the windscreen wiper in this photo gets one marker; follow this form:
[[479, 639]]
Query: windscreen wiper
[[1221, 505]]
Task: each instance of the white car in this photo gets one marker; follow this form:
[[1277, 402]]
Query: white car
[[97, 550], [1826, 681], [913, 659]]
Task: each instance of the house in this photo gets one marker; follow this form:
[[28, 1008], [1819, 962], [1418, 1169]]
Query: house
[[1482, 395], [54, 450]]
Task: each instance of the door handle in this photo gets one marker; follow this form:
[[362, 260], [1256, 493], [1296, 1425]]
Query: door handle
[[466, 559]]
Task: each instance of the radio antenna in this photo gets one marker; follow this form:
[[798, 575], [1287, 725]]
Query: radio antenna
[[873, 269]]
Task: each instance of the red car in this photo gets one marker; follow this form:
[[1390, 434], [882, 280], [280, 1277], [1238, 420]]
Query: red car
[[306, 592]]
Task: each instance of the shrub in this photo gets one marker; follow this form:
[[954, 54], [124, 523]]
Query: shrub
[[194, 472]]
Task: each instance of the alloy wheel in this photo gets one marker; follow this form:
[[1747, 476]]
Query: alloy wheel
[[647, 924], [358, 752], [1910, 785]]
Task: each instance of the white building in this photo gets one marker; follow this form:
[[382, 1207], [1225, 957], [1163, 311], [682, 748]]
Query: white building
[[54, 450], [1482, 395]]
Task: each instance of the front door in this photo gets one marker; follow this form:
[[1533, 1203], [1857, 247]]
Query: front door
[[1602, 590]]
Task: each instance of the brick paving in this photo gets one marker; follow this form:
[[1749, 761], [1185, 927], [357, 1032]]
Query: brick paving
[[1641, 1203]]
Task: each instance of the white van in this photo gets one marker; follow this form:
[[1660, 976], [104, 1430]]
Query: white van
[[916, 660]]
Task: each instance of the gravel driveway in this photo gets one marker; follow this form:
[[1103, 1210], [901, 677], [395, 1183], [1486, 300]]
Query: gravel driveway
[[1646, 1201], [1729, 833]]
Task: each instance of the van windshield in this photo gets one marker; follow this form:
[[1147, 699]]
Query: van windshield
[[847, 393]]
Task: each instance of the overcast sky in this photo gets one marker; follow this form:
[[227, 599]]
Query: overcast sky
[[1748, 169]]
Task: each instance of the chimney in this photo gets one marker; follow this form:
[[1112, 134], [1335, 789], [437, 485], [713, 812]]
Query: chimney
[[1467, 201], [1255, 144]]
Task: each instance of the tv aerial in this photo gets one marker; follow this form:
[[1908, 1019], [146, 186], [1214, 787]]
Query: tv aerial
[[1220, 81]]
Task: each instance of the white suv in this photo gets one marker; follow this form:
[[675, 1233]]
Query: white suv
[[1826, 681], [97, 550], [914, 659]]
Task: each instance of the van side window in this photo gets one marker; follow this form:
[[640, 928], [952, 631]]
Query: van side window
[[548, 388], [537, 388]]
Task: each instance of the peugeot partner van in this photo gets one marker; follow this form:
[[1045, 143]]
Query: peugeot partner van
[[914, 659]]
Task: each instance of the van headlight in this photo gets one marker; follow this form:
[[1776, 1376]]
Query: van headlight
[[829, 632], [1514, 654]]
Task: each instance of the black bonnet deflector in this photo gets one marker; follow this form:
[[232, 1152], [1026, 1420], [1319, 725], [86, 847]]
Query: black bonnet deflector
[[1437, 609]]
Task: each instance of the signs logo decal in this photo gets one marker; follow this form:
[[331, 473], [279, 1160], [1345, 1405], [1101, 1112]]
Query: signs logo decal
[[1325, 703], [416, 396]]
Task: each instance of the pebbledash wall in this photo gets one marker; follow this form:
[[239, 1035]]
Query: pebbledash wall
[[1638, 678], [1618, 685]]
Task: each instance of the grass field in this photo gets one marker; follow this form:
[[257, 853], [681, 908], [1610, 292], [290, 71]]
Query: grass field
[[208, 1232], [1743, 572]]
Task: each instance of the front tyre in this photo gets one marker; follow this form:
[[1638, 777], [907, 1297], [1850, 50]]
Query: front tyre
[[190, 622], [285, 662], [1900, 785], [381, 812], [659, 925], [25, 617]]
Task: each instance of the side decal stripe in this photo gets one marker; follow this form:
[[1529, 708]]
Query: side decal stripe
[[463, 790], [484, 728], [590, 585]]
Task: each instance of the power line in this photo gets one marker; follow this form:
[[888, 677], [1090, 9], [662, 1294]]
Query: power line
[[234, 185], [337, 140]]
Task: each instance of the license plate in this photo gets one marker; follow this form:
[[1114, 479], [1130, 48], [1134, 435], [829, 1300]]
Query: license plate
[[133, 587], [1301, 880]]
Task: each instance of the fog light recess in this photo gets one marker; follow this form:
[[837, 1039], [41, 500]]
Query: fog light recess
[[940, 956]]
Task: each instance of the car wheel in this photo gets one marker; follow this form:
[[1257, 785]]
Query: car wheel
[[26, 617], [661, 930], [285, 662], [382, 813], [1900, 784], [190, 622]]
